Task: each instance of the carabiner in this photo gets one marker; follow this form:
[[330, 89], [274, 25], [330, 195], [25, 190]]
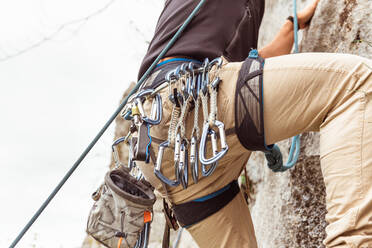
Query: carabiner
[[194, 160], [156, 110], [215, 83], [183, 165], [205, 77], [205, 170], [157, 167], [170, 76], [115, 150], [132, 145], [192, 80], [224, 147], [217, 61]]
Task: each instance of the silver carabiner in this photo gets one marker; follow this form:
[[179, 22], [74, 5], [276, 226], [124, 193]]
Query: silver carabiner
[[170, 75], [224, 147], [156, 110], [132, 145], [183, 165], [194, 160], [115, 151], [217, 61], [205, 170], [193, 90], [157, 168]]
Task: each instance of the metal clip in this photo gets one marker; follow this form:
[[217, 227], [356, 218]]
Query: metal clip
[[193, 87], [224, 147], [132, 145], [194, 160], [183, 166], [205, 77], [215, 83], [157, 167], [156, 110], [136, 173], [115, 151], [217, 61], [136, 115], [205, 170]]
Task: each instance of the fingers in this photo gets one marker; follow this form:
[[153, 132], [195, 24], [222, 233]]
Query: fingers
[[304, 16]]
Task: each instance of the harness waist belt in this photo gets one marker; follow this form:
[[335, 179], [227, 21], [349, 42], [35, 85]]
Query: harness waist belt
[[192, 212]]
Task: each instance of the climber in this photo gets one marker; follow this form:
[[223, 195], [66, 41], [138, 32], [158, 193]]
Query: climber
[[322, 92]]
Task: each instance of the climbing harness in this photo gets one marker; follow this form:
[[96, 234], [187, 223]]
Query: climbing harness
[[107, 124]]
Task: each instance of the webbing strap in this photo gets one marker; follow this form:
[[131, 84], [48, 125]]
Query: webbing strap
[[107, 124], [192, 212]]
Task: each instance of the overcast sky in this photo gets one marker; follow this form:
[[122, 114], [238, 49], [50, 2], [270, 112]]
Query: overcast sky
[[53, 100]]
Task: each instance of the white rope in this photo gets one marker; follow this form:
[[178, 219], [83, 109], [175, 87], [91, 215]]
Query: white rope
[[195, 129], [173, 124]]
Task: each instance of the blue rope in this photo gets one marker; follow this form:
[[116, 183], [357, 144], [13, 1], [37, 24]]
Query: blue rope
[[273, 155], [107, 124], [177, 59], [295, 26], [296, 139]]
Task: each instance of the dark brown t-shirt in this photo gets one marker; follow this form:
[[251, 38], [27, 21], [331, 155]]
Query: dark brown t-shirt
[[222, 27]]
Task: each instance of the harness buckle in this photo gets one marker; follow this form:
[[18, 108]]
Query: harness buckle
[[169, 216]]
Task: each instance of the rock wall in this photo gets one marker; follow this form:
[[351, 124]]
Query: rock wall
[[288, 209]]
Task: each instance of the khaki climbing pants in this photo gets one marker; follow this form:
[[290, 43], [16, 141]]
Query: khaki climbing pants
[[330, 93]]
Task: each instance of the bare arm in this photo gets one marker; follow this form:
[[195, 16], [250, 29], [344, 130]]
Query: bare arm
[[283, 41]]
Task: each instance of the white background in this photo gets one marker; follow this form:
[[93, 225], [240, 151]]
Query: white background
[[53, 100]]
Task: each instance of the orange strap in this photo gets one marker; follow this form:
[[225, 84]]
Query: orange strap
[[166, 58], [172, 57], [147, 216], [120, 241]]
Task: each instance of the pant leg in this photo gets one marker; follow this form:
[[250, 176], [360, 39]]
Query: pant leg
[[330, 93], [230, 227]]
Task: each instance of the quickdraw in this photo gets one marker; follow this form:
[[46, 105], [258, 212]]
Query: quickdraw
[[189, 87]]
